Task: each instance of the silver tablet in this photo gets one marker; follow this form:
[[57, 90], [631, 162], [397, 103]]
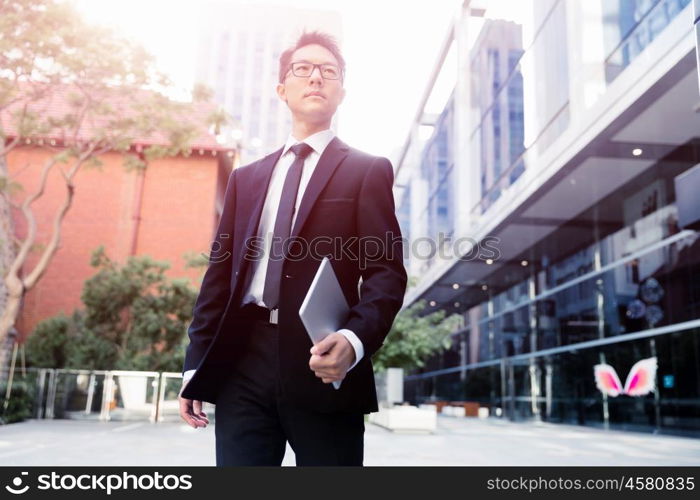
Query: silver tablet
[[324, 309]]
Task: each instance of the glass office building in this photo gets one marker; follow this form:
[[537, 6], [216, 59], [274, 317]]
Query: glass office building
[[561, 145]]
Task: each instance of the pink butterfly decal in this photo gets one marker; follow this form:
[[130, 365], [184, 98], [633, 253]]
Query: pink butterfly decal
[[641, 379]]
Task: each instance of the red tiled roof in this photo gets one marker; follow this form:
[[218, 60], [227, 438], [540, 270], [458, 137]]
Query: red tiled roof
[[57, 104]]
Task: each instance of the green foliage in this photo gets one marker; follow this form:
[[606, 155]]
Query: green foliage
[[139, 310], [135, 318], [47, 344], [414, 338], [20, 405], [48, 52], [195, 260], [86, 349], [202, 92], [9, 186]]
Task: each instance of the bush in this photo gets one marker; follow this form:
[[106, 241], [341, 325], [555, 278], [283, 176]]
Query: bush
[[46, 346], [135, 318], [20, 406], [64, 342], [415, 337]]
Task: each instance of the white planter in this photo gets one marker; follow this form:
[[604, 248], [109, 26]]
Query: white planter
[[405, 418]]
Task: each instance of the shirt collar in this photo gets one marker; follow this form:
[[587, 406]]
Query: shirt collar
[[317, 141]]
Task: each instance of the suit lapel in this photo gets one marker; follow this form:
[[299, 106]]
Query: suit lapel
[[332, 156]]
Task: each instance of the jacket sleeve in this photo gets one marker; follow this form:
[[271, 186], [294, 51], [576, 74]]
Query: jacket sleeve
[[381, 259], [216, 285]]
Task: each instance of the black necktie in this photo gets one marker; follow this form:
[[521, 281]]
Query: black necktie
[[283, 225]]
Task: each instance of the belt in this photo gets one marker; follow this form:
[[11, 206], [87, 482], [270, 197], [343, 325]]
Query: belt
[[251, 310]]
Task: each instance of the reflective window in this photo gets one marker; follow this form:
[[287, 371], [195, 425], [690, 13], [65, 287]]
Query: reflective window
[[631, 25], [519, 96], [437, 170]]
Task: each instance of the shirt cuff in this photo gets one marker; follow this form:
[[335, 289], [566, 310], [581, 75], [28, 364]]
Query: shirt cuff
[[187, 375], [356, 345]]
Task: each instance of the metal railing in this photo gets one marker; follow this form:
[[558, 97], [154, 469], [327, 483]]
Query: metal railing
[[102, 395]]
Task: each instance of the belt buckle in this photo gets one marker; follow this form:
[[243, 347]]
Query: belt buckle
[[273, 315]]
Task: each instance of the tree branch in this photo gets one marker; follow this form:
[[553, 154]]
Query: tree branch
[[12, 144], [26, 245], [41, 266]]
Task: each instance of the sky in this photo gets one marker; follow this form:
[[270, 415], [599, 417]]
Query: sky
[[390, 47]]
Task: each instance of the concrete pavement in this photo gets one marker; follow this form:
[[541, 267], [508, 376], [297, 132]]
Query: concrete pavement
[[458, 441]]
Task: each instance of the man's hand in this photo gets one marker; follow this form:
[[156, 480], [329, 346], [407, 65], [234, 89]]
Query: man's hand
[[191, 410], [332, 357]]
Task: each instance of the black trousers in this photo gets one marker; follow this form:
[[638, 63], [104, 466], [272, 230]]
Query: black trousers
[[253, 421]]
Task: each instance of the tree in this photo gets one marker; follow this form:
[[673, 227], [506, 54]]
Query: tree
[[49, 340], [114, 96], [414, 338], [64, 342], [135, 318], [139, 311]]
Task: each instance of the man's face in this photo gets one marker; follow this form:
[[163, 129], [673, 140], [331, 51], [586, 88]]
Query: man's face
[[312, 98]]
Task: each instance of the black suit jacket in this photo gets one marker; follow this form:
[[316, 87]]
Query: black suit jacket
[[346, 213]]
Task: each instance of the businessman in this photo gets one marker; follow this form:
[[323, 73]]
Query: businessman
[[249, 353]]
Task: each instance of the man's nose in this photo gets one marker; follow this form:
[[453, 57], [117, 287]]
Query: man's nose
[[316, 74]]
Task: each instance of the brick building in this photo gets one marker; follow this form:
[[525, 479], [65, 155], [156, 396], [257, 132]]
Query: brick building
[[170, 208]]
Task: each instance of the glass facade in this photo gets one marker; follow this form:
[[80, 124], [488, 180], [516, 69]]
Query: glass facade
[[614, 283], [631, 295], [437, 170], [631, 25], [520, 81], [513, 68], [565, 390], [497, 96], [403, 216]]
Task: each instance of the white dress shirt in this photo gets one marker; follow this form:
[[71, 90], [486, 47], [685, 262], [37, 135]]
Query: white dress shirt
[[254, 293]]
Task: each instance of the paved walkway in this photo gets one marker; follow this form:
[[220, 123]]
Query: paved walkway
[[458, 441]]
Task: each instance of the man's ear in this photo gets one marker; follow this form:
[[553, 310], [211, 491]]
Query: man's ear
[[282, 92], [342, 95]]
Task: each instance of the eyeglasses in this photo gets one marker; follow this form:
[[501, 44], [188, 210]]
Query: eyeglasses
[[303, 69]]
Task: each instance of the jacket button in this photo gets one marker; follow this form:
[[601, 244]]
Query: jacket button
[[287, 275]]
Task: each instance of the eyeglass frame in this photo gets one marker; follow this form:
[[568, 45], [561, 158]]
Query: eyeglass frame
[[320, 72]]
